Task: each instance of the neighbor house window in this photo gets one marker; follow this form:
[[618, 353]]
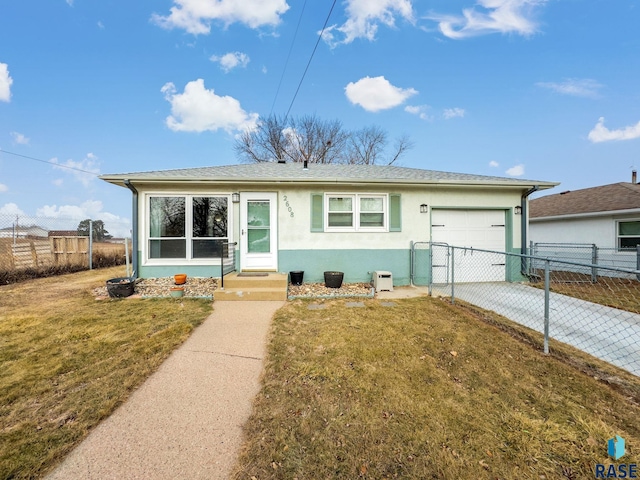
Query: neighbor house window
[[187, 227], [356, 212], [628, 235]]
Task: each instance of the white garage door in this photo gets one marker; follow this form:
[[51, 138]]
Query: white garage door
[[481, 229]]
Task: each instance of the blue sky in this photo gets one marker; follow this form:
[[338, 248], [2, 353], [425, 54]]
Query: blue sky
[[538, 89]]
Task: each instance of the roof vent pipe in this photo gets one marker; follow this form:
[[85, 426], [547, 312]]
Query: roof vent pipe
[[634, 176]]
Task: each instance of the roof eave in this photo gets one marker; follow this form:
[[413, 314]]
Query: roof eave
[[119, 180], [568, 216]]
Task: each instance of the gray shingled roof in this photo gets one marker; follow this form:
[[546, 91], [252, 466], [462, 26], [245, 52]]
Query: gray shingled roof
[[316, 173], [605, 198]]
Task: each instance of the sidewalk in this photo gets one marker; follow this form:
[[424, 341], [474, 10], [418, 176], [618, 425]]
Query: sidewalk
[[186, 420]]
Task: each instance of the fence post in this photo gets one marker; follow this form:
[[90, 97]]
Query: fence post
[[546, 306], [638, 261], [594, 261], [90, 244], [430, 271], [453, 278]]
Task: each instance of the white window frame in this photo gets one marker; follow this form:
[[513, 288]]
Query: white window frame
[[356, 227], [618, 236], [188, 238]]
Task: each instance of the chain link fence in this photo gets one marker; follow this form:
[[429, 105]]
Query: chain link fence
[[591, 253], [33, 246], [594, 308]]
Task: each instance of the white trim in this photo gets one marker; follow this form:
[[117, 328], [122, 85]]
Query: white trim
[[617, 223], [145, 224], [259, 261], [356, 212]]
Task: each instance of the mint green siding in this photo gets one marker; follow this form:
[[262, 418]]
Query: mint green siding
[[357, 265]]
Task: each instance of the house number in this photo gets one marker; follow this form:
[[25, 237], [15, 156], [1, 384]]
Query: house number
[[286, 203]]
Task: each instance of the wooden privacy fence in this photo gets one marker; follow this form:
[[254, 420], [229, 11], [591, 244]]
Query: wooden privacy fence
[[22, 253]]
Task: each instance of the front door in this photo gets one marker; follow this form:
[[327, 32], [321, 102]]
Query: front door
[[258, 231]]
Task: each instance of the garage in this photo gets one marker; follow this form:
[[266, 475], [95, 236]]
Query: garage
[[481, 229]]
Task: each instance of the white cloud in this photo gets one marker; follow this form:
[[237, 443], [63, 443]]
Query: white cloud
[[501, 16], [374, 94], [70, 3], [5, 83], [195, 16], [419, 110], [3, 188], [494, 164], [100, 25], [199, 110], [453, 113], [88, 209], [364, 16], [600, 133], [516, 171], [10, 209], [231, 60], [84, 171], [573, 86], [19, 138], [58, 182]]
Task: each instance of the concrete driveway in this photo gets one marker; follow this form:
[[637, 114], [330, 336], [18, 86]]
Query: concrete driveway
[[607, 333]]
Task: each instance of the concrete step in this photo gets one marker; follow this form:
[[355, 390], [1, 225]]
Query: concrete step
[[272, 286], [271, 280]]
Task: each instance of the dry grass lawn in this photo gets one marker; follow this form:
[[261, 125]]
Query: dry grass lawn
[[427, 390], [67, 361]]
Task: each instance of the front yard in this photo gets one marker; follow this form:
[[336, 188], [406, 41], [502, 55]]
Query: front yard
[[67, 361], [424, 389]]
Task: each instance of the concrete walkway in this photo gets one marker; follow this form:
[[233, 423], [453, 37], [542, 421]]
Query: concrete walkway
[[186, 420]]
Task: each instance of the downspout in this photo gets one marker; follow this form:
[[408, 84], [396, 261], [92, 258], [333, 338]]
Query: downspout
[[524, 222], [523, 228], [134, 226]]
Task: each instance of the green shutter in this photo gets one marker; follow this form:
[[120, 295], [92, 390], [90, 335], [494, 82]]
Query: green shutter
[[395, 213], [317, 214]]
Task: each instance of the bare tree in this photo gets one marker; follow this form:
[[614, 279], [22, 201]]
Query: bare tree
[[311, 139], [267, 143], [401, 145]]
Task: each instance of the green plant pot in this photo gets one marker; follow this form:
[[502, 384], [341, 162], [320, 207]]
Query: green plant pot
[[177, 292]]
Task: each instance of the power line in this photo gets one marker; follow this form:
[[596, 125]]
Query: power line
[[286, 63], [49, 163], [310, 58]]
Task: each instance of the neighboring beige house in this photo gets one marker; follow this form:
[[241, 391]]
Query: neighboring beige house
[[287, 217], [608, 216]]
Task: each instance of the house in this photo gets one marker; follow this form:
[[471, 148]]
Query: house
[[19, 231], [285, 217], [608, 216]]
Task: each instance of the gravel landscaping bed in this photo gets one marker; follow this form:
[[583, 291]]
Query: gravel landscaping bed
[[318, 290], [195, 287]]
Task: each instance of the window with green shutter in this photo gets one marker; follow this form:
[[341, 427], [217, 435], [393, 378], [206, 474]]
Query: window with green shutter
[[351, 212]]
